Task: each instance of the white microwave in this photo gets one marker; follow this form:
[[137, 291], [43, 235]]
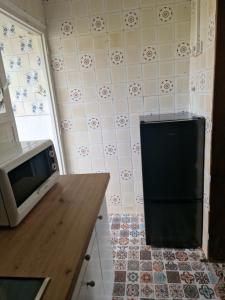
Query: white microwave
[[27, 171]]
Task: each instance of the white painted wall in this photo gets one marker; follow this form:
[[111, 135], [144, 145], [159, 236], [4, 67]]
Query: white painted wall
[[34, 127]]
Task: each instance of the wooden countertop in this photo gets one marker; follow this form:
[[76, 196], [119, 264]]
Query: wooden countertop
[[53, 238]]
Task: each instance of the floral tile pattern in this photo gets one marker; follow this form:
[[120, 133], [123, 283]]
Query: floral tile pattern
[[112, 61], [145, 273], [25, 72]]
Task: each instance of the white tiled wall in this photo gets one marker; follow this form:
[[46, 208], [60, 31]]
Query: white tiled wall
[[24, 67], [114, 61], [201, 91], [35, 9]]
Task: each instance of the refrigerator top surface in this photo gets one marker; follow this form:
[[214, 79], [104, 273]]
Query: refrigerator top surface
[[185, 116]]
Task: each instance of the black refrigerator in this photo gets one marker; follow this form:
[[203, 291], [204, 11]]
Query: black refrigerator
[[172, 149]]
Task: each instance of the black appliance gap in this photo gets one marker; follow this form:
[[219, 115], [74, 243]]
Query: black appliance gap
[[172, 148]]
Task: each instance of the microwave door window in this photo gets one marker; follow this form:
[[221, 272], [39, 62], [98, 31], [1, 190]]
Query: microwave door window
[[26, 178]]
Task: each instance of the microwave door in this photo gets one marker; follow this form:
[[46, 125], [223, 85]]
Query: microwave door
[[28, 176]]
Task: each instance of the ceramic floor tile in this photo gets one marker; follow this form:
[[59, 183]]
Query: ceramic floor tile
[[133, 265], [132, 276], [159, 277], [161, 291], [145, 265], [146, 277], [187, 277], [201, 278], [173, 277], [120, 276], [119, 289], [132, 290], [145, 255], [147, 290], [176, 290], [190, 291], [143, 272]]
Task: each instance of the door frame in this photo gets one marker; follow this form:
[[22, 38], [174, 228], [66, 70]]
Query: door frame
[[7, 119], [28, 22], [216, 249]]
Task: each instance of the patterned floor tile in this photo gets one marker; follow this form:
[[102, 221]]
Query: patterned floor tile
[[159, 277], [121, 254], [134, 233], [157, 255], [143, 241], [207, 292], [114, 241], [120, 265], [134, 241], [133, 254], [124, 233], [145, 255], [187, 277], [173, 277], [181, 255], [168, 255], [133, 265], [116, 233], [184, 266], [146, 272], [158, 266], [134, 226], [145, 265], [124, 226], [125, 219], [176, 290], [132, 276], [191, 291], [171, 266], [115, 226], [116, 219], [124, 241], [161, 291], [134, 219], [146, 248], [120, 276], [195, 255], [201, 278], [142, 233], [219, 289], [132, 290], [119, 289], [198, 266], [147, 290], [146, 277]]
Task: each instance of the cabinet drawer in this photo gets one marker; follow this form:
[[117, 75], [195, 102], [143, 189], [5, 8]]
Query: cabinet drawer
[[97, 276], [92, 285], [77, 288], [80, 279]]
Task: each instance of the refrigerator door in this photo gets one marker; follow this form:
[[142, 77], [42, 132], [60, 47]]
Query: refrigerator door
[[177, 225], [172, 167], [172, 159]]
